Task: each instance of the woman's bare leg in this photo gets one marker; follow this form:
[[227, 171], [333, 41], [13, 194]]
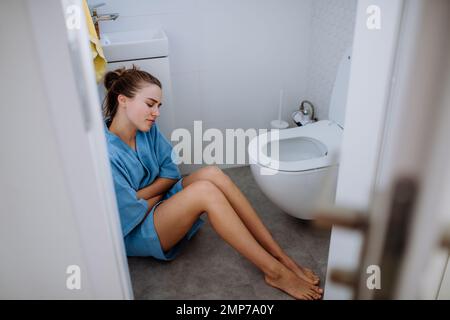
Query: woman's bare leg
[[250, 218], [176, 215]]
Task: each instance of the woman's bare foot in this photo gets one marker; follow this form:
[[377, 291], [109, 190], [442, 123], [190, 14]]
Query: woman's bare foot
[[290, 283], [303, 273]]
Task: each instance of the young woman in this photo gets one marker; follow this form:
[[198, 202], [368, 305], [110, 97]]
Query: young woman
[[160, 210]]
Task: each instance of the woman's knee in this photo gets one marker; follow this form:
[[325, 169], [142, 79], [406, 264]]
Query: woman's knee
[[206, 191], [215, 174]]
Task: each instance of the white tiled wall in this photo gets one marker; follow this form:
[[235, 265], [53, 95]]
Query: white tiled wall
[[229, 58], [331, 33]]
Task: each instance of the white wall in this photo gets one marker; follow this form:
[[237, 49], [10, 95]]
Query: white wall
[[228, 58], [332, 27]]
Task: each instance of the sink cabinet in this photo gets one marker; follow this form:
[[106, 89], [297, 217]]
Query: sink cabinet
[[148, 50]]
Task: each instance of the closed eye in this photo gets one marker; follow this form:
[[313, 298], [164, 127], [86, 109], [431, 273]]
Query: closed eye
[[151, 105]]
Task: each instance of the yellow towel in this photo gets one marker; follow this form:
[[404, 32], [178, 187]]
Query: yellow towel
[[97, 51]]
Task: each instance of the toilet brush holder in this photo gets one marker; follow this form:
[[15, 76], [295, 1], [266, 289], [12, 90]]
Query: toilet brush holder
[[279, 124]]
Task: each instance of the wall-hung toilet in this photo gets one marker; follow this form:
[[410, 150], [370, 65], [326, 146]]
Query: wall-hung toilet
[[293, 178]]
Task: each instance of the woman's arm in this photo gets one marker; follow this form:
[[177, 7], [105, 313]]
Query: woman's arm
[[152, 201], [159, 187]]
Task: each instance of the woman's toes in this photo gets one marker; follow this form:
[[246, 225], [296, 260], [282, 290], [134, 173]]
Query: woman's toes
[[315, 289], [314, 276], [311, 274], [316, 295], [313, 295]]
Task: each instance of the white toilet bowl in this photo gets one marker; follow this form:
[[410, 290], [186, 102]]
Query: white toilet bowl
[[293, 178], [307, 156]]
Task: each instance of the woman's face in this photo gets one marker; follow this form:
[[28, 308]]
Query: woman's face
[[143, 109]]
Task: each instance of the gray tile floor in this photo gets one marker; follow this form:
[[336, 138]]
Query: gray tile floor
[[208, 268]]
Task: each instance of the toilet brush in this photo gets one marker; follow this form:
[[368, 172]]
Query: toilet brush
[[279, 124]]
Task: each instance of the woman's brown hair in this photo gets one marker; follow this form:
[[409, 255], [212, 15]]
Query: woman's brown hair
[[126, 82]]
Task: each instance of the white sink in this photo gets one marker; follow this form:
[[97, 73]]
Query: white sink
[[136, 44]]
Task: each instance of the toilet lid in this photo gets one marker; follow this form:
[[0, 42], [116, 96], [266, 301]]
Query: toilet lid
[[309, 147]]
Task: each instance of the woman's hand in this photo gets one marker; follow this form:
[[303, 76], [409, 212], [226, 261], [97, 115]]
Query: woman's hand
[[157, 187], [154, 200]]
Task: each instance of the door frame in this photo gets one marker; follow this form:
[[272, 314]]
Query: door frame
[[417, 113], [75, 112], [373, 57]]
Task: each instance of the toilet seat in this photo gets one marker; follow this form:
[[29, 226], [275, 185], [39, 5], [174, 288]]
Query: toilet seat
[[322, 139]]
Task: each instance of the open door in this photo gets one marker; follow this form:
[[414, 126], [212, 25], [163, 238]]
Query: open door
[[60, 234], [389, 238]]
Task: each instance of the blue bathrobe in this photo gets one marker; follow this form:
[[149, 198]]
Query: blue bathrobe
[[134, 170]]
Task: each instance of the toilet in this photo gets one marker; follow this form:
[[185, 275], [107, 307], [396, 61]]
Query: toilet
[[307, 159]]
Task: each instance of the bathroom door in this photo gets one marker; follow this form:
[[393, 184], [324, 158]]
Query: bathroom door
[[397, 241], [60, 234]]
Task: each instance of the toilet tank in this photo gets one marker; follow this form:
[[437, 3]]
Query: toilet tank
[[338, 100]]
